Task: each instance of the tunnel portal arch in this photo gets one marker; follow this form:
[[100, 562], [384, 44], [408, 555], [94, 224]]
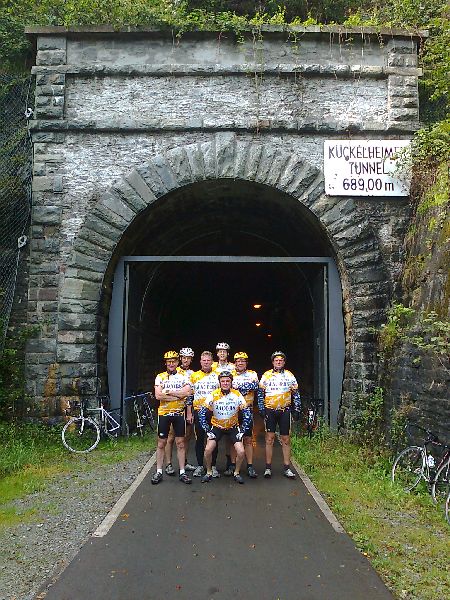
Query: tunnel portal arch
[[86, 290]]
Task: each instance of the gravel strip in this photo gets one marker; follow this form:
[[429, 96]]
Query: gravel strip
[[66, 513]]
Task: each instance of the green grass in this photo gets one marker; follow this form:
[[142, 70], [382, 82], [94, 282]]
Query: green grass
[[33, 455], [404, 535]]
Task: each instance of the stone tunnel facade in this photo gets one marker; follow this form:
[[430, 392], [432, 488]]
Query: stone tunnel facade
[[123, 118]]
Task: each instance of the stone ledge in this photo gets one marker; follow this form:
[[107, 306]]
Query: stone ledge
[[41, 126], [182, 70], [313, 30]]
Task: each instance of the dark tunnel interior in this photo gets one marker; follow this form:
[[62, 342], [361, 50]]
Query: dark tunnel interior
[[197, 304]]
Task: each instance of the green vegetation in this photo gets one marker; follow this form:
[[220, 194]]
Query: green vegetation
[[425, 331], [33, 454], [12, 382], [404, 535], [366, 422]]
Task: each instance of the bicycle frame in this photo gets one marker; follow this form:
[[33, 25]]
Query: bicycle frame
[[430, 466], [315, 412], [103, 417], [142, 410]]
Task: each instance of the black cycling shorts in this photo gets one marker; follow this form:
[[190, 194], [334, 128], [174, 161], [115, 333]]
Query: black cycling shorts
[[231, 433], [249, 431], [282, 418], [177, 421]]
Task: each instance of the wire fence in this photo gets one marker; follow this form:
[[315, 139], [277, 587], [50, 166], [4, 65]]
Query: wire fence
[[15, 187]]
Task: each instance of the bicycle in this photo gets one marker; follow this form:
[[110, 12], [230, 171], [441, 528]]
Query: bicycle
[[82, 433], [447, 508], [314, 415], [145, 419], [416, 463]]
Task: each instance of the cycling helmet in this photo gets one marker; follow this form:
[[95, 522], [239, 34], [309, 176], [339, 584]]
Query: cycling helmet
[[225, 374], [278, 353], [241, 355], [186, 352], [170, 354], [222, 346]]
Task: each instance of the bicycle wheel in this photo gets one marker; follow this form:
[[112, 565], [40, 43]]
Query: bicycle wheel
[[80, 435], [147, 419], [409, 467], [447, 508], [441, 483]]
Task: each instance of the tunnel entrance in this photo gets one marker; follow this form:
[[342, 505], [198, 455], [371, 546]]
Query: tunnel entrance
[[208, 294]]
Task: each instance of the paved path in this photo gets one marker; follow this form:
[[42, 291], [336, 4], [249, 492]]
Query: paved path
[[265, 540]]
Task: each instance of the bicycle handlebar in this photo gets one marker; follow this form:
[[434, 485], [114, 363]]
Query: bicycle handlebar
[[319, 405], [430, 436], [141, 395]]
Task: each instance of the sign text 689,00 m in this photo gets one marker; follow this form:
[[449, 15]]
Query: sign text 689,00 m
[[367, 185]]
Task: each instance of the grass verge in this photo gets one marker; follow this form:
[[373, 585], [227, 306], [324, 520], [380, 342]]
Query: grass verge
[[404, 535], [32, 455]]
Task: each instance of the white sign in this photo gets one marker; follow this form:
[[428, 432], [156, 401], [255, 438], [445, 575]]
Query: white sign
[[364, 168]]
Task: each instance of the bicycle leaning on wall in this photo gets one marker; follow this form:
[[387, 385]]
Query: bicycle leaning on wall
[[314, 415], [417, 463], [144, 417], [82, 432]]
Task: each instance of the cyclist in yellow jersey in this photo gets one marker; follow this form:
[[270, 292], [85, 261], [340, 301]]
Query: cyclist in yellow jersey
[[246, 382], [203, 382], [278, 389], [171, 390], [222, 364], [186, 356], [225, 405]]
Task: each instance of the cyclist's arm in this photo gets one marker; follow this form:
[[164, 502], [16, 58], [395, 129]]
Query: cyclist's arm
[[261, 396], [182, 392], [188, 403], [247, 387], [161, 394], [247, 417], [202, 418]]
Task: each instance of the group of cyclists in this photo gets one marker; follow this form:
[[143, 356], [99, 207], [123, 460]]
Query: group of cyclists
[[216, 402]]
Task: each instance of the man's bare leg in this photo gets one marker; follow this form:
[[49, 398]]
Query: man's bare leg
[[169, 451], [240, 453], [160, 450], [207, 457], [181, 453]]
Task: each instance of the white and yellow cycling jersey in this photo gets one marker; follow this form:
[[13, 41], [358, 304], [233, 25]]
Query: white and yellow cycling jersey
[[171, 382], [225, 408], [203, 384], [187, 372], [278, 386], [247, 376], [218, 368]]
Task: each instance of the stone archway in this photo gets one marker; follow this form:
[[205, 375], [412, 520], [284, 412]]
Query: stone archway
[[350, 235]]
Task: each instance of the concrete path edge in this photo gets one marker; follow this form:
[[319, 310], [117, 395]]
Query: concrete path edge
[[118, 507]]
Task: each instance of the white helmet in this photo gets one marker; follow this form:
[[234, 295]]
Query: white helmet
[[222, 346], [186, 352]]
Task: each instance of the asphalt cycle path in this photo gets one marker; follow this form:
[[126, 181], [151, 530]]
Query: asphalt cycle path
[[265, 540]]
